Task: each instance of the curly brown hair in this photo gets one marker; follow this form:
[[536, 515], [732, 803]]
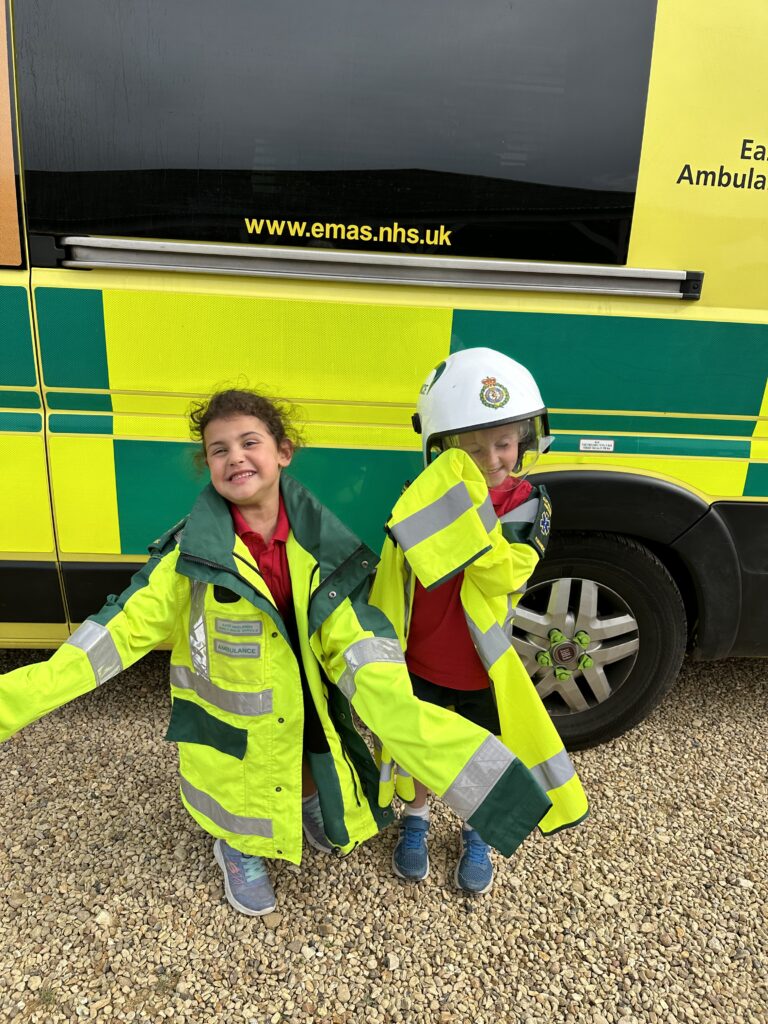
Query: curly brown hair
[[278, 417]]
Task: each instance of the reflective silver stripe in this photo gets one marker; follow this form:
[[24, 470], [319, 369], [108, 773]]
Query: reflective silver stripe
[[407, 589], [509, 621], [198, 638], [385, 772], [511, 607], [487, 514], [347, 684], [247, 704], [403, 773], [237, 823], [554, 772], [478, 777], [525, 513], [491, 645], [231, 649], [366, 652], [239, 627], [98, 644], [434, 518], [509, 618]]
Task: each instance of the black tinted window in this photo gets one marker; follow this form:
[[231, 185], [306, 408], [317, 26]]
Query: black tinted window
[[497, 128]]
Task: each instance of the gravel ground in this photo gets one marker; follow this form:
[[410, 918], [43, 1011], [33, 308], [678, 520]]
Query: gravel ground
[[654, 910]]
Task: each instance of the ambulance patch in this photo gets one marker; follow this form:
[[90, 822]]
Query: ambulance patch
[[492, 394]]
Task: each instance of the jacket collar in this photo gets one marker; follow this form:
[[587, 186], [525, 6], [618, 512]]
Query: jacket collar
[[207, 542], [209, 535]]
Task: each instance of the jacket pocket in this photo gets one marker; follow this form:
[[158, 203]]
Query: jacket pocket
[[192, 724], [236, 646]]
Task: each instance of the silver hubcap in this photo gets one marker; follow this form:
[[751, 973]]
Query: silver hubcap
[[578, 641]]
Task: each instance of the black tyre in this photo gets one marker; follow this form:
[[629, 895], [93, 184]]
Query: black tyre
[[602, 631]]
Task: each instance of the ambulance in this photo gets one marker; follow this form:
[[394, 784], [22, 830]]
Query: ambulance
[[324, 199]]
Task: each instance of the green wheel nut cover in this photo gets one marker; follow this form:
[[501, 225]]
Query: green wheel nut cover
[[562, 674], [585, 661], [544, 658], [555, 636], [582, 639]]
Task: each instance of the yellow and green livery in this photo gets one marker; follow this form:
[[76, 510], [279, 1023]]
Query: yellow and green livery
[[626, 269]]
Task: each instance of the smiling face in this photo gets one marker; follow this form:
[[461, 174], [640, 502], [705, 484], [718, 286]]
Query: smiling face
[[244, 460], [494, 451]]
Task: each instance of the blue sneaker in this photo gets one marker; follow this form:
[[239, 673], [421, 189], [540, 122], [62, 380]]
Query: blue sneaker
[[474, 872], [410, 858], [246, 881], [313, 825]]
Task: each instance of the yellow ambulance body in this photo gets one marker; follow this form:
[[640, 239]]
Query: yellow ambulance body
[[654, 367]]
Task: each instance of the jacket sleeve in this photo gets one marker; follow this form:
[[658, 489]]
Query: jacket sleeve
[[517, 546], [126, 628], [445, 524], [471, 770]]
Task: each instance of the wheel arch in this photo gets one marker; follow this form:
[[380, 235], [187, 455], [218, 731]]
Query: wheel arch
[[682, 529]]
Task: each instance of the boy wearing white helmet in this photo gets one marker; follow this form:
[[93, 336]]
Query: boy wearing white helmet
[[462, 541]]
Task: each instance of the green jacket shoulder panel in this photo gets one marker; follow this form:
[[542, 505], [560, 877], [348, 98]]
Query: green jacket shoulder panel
[[167, 541], [116, 603]]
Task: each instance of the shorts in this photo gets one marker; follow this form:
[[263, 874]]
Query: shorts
[[477, 706]]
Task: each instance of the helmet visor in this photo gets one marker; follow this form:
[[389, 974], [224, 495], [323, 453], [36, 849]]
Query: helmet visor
[[508, 450]]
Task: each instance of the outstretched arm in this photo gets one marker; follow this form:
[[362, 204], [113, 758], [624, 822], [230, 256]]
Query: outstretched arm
[[125, 629]]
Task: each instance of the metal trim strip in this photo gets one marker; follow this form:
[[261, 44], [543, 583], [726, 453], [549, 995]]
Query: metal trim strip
[[94, 252]]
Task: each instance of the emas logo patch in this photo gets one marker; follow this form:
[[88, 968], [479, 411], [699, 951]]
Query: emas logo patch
[[493, 395]]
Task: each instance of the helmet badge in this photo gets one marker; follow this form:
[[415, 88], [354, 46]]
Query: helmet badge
[[493, 395]]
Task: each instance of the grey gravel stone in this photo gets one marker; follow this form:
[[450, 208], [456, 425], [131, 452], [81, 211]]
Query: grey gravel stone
[[653, 912]]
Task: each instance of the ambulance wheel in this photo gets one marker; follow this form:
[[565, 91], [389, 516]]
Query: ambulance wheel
[[602, 631]]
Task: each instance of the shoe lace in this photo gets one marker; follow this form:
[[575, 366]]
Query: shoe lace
[[475, 850], [413, 838], [252, 867]]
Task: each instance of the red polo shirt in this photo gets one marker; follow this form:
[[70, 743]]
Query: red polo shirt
[[272, 558], [440, 648]]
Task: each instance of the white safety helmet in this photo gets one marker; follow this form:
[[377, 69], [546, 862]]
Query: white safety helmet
[[479, 388]]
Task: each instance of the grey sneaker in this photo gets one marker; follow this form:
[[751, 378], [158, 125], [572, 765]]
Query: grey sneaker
[[314, 826], [246, 882]]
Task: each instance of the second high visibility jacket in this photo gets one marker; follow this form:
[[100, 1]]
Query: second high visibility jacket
[[236, 686], [443, 524]]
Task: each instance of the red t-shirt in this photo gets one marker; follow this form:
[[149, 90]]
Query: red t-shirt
[[440, 648], [272, 558]]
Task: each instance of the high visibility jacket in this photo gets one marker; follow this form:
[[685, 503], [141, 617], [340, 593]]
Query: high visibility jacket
[[237, 712], [443, 524]]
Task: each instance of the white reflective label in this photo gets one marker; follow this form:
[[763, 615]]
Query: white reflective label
[[596, 444], [235, 650], [239, 627]]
